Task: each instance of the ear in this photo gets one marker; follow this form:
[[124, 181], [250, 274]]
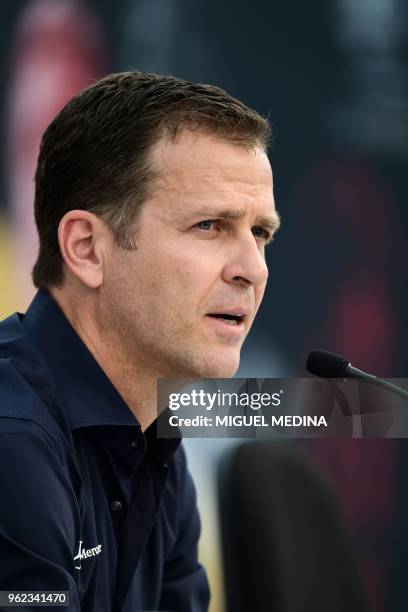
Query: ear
[[83, 238]]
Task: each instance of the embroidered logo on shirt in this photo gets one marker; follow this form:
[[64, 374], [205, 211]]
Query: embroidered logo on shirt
[[85, 553]]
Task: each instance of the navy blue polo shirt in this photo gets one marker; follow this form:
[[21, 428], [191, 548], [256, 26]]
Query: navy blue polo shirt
[[89, 503]]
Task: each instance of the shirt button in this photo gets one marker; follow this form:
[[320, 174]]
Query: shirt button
[[132, 444], [116, 506]]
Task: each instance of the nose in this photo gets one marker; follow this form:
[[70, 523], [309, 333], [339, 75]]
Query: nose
[[246, 263]]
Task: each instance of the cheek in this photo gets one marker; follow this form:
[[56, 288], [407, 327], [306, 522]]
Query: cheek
[[188, 278], [172, 279], [259, 293]]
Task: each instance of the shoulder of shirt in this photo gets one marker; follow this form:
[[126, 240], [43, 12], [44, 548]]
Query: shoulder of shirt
[[26, 391]]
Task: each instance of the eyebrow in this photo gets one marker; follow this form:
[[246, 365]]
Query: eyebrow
[[272, 223]]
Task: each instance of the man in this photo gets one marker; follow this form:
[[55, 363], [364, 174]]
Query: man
[[153, 204]]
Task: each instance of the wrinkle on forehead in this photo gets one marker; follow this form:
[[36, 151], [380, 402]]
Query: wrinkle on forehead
[[199, 170], [209, 184], [204, 163], [199, 150]]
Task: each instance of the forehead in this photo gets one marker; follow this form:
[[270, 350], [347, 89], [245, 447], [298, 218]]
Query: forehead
[[203, 165]]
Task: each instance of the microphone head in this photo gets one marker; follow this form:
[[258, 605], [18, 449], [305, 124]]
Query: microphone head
[[327, 365]]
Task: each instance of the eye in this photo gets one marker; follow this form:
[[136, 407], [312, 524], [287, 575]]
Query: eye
[[205, 225], [260, 232]]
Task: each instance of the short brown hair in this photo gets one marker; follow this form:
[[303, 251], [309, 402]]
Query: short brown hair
[[94, 155]]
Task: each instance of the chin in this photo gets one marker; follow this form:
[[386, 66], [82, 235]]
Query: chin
[[217, 368]]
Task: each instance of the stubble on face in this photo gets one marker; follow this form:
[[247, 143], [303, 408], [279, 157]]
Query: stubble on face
[[156, 297]]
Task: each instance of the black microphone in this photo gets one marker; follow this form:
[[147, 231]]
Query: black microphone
[[329, 365]]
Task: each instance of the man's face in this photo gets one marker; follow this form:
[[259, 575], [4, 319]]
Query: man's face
[[182, 303]]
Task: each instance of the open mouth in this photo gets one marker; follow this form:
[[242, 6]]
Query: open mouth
[[230, 319]]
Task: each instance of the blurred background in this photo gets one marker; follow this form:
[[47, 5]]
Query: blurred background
[[333, 79]]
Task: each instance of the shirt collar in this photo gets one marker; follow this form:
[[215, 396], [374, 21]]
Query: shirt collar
[[89, 398]]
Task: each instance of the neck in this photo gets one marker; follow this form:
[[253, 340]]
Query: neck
[[136, 385]]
